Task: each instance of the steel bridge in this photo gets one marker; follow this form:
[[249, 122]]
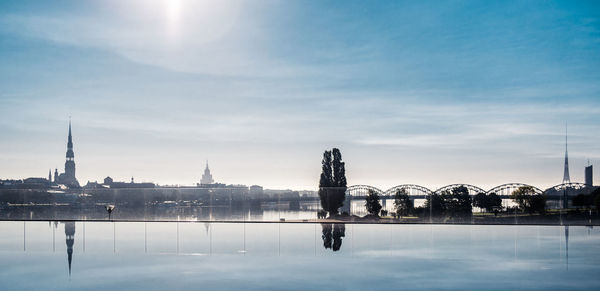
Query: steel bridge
[[414, 191]]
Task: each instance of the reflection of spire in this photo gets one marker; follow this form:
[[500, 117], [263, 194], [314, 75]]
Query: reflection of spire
[[566, 178], [70, 239], [567, 244], [207, 227]]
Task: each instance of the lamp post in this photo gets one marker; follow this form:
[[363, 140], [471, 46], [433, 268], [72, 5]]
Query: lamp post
[[109, 208]]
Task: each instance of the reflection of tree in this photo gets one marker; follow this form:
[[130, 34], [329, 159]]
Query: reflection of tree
[[339, 231], [332, 235]]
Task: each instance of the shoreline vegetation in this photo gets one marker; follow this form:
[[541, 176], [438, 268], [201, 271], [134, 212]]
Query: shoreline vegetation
[[335, 203], [453, 205]]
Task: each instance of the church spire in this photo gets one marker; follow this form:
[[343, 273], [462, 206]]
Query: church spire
[[69, 176], [566, 177], [70, 153]]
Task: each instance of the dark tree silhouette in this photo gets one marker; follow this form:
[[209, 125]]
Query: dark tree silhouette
[[480, 200], [452, 203], [332, 184], [372, 203], [538, 204], [487, 202], [457, 203], [434, 204], [493, 202], [402, 203], [528, 200]]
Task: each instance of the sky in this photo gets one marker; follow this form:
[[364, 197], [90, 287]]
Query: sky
[[419, 92]]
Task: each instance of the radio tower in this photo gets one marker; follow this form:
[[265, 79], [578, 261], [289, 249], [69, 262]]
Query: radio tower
[[566, 178]]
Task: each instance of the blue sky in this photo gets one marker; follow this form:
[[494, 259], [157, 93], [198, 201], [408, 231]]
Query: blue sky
[[430, 93]]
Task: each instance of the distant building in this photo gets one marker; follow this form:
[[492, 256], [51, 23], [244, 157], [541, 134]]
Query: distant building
[[108, 182], [35, 183], [28, 183], [68, 177], [589, 176], [94, 185], [206, 177], [256, 191]]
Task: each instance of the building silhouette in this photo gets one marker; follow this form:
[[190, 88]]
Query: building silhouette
[[207, 177], [68, 177], [589, 180]]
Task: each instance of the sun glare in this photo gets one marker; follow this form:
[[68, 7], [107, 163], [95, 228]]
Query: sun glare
[[173, 18]]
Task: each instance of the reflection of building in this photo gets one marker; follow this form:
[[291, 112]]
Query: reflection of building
[[68, 177], [70, 239], [589, 176], [207, 177]]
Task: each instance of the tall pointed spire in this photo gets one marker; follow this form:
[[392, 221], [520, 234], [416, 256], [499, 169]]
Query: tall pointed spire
[[70, 154], [566, 177], [70, 140], [69, 176]]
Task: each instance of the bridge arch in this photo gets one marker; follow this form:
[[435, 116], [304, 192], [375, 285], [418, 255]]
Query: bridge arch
[[505, 190], [357, 192], [473, 190], [563, 186], [362, 190], [559, 195], [411, 190]]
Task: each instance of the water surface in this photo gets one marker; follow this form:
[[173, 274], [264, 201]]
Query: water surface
[[295, 256]]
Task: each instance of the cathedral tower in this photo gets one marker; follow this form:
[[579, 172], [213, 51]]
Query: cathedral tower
[[68, 177]]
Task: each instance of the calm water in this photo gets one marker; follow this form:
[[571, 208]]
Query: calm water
[[161, 255]]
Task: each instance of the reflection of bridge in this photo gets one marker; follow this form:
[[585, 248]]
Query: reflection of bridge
[[421, 192]]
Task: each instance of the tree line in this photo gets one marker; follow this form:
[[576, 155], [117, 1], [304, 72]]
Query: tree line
[[454, 203]]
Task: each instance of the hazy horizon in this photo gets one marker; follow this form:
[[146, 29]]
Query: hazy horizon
[[457, 92]]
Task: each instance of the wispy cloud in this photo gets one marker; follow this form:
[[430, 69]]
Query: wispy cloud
[[384, 81]]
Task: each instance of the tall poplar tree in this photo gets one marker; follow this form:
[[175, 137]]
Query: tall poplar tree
[[332, 184]]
